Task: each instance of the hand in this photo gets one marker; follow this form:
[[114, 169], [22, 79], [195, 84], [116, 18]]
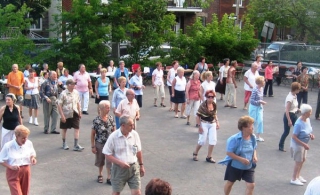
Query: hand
[[48, 100], [14, 168], [221, 82], [172, 95], [97, 96], [200, 130], [235, 86], [255, 159], [289, 123], [33, 161], [312, 136], [137, 118], [143, 87], [154, 86], [124, 165], [245, 161], [306, 146], [94, 150], [263, 102], [63, 119], [188, 101], [142, 171], [218, 125], [80, 115]]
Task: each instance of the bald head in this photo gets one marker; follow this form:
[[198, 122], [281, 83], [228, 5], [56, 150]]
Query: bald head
[[15, 67]]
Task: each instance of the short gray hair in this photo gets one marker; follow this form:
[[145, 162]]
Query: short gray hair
[[121, 61], [305, 108], [103, 103], [124, 119]]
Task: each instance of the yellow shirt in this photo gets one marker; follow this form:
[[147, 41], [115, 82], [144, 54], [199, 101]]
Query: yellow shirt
[[16, 79]]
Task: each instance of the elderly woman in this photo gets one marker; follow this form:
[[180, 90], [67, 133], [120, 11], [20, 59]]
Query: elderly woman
[[231, 86], [157, 186], [60, 69], [158, 84], [120, 72], [241, 156], [208, 124], [17, 156], [171, 74], [193, 94], [201, 66], [103, 125], [102, 87], [45, 68], [299, 143], [290, 115], [10, 114], [32, 97], [178, 92], [303, 79], [256, 107], [223, 73], [136, 83], [207, 84], [118, 95]]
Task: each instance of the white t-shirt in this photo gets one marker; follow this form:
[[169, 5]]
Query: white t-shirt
[[158, 80], [251, 79], [313, 187], [171, 74], [294, 102], [180, 83], [208, 86]]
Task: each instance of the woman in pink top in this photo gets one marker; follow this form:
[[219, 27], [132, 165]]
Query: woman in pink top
[[193, 94], [268, 75]]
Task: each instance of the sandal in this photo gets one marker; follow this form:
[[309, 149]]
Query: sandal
[[108, 181], [171, 109], [100, 179], [162, 105], [183, 117], [176, 116], [210, 160], [155, 105], [195, 157], [227, 105]]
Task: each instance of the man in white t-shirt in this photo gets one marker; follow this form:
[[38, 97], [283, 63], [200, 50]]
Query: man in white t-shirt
[[249, 83]]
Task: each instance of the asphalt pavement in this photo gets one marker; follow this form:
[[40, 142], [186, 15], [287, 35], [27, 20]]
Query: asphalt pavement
[[167, 145]]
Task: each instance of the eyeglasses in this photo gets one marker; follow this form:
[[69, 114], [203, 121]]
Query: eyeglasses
[[210, 97]]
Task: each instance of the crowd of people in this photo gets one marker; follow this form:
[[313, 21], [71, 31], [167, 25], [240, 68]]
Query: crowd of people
[[115, 133]]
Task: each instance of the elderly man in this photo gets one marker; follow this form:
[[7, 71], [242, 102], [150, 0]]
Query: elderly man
[[49, 93], [60, 69], [15, 82], [70, 112], [249, 82], [123, 149], [83, 86], [130, 107], [63, 79]]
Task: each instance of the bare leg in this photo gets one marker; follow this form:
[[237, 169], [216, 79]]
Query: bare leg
[[162, 99], [228, 187], [249, 189], [100, 170], [136, 192], [76, 133], [115, 193], [298, 173], [63, 133], [108, 173], [188, 117], [296, 169], [183, 107], [210, 149], [35, 113], [198, 147], [176, 109], [155, 101], [30, 112]]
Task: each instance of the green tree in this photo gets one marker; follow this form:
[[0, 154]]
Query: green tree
[[14, 46], [299, 14], [38, 7]]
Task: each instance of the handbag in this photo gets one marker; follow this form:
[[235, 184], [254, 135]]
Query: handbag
[[27, 96]]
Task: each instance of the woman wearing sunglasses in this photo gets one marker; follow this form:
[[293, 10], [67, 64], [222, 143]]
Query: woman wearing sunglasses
[[208, 123]]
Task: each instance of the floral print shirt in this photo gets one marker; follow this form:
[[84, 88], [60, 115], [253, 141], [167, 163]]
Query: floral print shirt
[[69, 102], [103, 129]]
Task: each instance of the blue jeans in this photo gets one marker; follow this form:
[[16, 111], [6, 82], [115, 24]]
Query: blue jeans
[[117, 122], [302, 96], [293, 118]]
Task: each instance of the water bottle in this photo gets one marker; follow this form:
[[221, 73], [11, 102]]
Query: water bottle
[[186, 67]]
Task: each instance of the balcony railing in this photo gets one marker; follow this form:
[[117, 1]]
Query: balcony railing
[[184, 3]]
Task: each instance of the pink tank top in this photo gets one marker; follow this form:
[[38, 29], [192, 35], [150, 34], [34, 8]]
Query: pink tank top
[[194, 90]]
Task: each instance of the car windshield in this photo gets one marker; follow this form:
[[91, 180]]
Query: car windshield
[[275, 46]]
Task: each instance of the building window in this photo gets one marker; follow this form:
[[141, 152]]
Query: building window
[[37, 25], [235, 3], [204, 21]]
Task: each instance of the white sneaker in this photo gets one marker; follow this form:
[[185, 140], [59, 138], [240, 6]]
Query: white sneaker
[[302, 179], [296, 182], [30, 120], [36, 122], [260, 139]]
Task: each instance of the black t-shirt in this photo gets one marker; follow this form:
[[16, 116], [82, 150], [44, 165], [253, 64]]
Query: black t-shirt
[[10, 119]]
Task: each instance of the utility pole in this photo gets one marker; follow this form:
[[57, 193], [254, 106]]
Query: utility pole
[[237, 12]]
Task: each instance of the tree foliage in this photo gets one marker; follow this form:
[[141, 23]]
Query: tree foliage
[[303, 15], [14, 46], [218, 40]]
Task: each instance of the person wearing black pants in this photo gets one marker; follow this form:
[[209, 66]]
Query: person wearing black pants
[[268, 75], [290, 117], [318, 102]]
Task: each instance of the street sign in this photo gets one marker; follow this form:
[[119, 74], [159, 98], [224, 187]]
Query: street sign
[[267, 30]]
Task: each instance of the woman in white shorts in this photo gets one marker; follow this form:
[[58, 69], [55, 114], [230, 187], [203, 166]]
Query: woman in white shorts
[[207, 120], [299, 143], [207, 84], [193, 94]]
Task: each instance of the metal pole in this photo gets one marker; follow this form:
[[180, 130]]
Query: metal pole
[[237, 12]]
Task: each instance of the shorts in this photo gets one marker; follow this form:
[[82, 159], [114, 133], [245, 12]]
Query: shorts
[[101, 159], [120, 176], [298, 153], [232, 174], [97, 101], [247, 95], [71, 122]]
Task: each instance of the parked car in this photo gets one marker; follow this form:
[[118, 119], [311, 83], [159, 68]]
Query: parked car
[[150, 53], [282, 50]]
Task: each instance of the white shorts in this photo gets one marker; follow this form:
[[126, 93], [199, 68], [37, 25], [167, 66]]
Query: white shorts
[[6, 136], [209, 133], [192, 104]]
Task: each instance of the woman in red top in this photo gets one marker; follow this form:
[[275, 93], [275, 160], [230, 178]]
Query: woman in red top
[[268, 75], [193, 94]]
